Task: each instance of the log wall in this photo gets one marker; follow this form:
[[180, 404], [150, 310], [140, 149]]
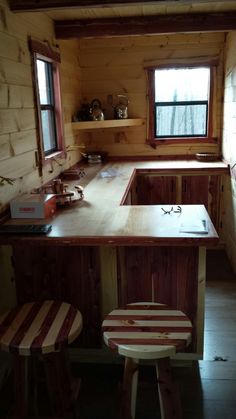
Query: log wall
[[17, 114]]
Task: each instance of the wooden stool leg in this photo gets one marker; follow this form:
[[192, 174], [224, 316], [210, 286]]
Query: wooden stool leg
[[20, 366], [169, 396], [58, 381], [129, 389]]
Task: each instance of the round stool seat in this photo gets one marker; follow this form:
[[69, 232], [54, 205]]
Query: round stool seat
[[147, 331], [39, 327], [42, 331]]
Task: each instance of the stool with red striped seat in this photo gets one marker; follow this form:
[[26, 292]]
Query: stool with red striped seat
[[42, 329], [148, 331]]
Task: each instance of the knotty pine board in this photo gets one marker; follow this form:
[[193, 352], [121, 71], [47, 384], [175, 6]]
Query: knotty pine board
[[13, 120], [14, 72], [128, 42], [113, 66], [17, 114], [23, 141]]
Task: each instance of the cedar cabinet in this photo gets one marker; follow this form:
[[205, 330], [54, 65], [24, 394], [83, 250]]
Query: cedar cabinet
[[65, 273], [167, 190], [152, 190]]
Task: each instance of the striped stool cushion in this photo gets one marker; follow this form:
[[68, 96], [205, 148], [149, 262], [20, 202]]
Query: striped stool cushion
[[39, 327], [147, 331]]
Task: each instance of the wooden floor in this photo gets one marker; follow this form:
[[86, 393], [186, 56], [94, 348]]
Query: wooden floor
[[208, 389]]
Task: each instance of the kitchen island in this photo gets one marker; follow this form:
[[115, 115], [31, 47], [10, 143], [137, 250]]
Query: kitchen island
[[101, 254]]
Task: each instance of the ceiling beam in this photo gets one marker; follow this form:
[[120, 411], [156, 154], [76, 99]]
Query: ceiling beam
[[43, 5], [145, 25]]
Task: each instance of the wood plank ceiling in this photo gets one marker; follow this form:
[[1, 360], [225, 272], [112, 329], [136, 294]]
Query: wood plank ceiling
[[92, 18]]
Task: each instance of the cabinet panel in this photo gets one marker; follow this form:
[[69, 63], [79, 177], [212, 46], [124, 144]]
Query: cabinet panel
[[192, 189], [214, 200], [66, 273], [152, 190], [195, 190], [167, 275], [203, 190]]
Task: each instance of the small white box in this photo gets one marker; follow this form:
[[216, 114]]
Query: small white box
[[33, 206]]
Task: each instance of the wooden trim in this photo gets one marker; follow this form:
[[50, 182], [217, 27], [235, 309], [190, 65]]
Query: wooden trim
[[182, 140], [201, 171], [201, 299], [44, 49], [128, 187], [150, 116], [108, 240], [32, 5], [38, 124], [58, 108], [143, 25], [211, 101], [184, 63], [156, 142]]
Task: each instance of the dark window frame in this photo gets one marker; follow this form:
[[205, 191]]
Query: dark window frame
[[155, 141], [45, 53]]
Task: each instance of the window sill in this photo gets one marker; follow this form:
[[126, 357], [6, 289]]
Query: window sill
[[58, 154], [155, 142]]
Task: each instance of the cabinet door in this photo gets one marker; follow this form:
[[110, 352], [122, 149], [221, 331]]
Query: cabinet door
[[195, 190], [154, 190], [203, 190]]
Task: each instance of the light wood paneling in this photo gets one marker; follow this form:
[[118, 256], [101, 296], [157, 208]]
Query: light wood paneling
[[20, 120], [3, 95], [17, 114], [229, 153], [13, 72], [5, 151], [12, 47], [116, 66], [21, 142], [20, 97]]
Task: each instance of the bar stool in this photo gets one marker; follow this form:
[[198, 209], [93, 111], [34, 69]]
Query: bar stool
[[41, 330], [148, 331]]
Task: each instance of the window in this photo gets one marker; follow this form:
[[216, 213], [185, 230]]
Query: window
[[180, 104], [48, 102], [47, 105]]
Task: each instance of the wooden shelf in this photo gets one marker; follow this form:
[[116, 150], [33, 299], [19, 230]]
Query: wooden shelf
[[109, 123]]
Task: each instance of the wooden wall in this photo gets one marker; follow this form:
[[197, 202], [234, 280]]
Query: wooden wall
[[112, 66], [229, 149], [17, 115]]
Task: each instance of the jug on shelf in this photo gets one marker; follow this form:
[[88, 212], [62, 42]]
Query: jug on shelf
[[96, 110], [121, 109]]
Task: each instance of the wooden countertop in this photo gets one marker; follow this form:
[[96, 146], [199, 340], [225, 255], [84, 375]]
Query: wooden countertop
[[99, 219]]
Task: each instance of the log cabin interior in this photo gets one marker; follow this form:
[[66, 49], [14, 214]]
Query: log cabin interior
[[110, 129]]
